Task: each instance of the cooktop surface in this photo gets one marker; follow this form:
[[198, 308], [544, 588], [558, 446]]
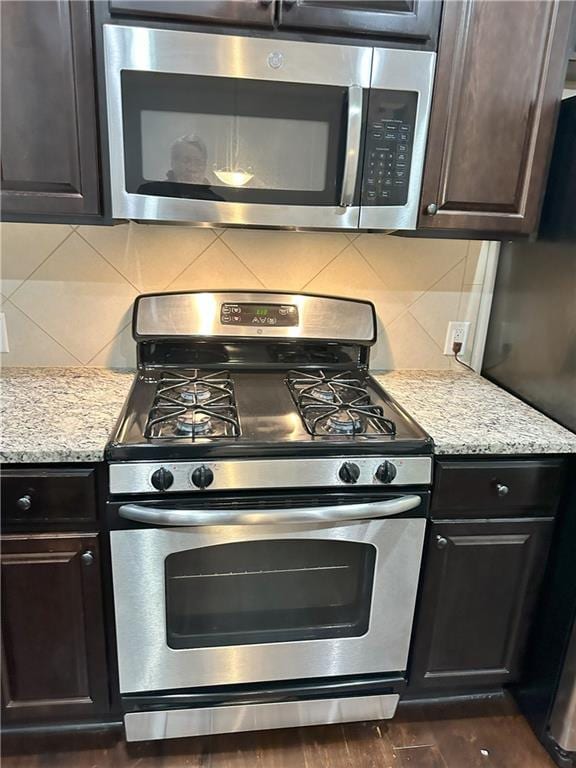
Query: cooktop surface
[[189, 413]]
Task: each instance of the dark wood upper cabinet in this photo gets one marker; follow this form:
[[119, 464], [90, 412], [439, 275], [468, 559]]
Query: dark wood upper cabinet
[[236, 12], [49, 160], [417, 20], [499, 79], [53, 649], [480, 584], [414, 20]]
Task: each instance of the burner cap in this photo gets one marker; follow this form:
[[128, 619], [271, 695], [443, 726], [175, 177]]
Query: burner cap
[[194, 423], [323, 393], [195, 392], [345, 423]]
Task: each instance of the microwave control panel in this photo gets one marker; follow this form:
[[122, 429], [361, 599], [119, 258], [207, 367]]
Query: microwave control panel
[[388, 149]]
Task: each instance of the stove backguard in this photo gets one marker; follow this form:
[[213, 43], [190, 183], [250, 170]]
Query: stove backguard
[[197, 330]]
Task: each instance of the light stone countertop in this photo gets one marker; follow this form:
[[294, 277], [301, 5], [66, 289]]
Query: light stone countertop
[[59, 414], [67, 414], [466, 414]]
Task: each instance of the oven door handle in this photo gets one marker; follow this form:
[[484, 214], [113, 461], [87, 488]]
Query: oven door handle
[[352, 151], [332, 514]]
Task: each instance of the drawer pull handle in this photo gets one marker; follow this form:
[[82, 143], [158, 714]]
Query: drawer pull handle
[[24, 503], [502, 490], [432, 209], [87, 558], [441, 542]]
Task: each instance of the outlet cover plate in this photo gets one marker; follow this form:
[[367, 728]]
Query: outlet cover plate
[[457, 331], [4, 346]]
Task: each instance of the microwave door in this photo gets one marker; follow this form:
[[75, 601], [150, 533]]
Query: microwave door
[[217, 129], [398, 115]]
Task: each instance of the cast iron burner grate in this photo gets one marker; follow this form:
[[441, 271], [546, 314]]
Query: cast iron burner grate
[[337, 404], [191, 404]]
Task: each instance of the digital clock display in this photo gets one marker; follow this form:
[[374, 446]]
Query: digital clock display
[[268, 315]]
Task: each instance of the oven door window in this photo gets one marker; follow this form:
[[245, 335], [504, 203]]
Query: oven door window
[[228, 139], [268, 592]]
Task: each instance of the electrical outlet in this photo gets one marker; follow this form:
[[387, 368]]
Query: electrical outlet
[[4, 346], [456, 332]]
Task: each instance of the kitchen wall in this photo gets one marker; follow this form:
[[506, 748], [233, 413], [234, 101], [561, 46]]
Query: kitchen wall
[[67, 292]]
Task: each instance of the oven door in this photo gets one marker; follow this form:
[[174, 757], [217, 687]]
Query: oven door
[[244, 603], [221, 129]]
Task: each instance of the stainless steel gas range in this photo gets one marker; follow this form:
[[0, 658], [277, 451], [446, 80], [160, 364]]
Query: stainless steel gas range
[[267, 509]]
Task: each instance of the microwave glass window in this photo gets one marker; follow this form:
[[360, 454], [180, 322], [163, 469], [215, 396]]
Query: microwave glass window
[[268, 592], [243, 150], [232, 139]]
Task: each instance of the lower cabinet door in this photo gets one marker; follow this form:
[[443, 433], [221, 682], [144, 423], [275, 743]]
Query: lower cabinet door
[[53, 647], [480, 585]]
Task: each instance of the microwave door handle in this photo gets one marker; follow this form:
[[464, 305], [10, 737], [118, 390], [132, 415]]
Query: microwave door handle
[[353, 137], [331, 514]]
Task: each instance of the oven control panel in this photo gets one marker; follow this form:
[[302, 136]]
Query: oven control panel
[[388, 151], [282, 315], [246, 474]]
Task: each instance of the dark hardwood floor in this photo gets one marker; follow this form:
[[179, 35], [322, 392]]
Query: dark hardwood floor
[[475, 735]]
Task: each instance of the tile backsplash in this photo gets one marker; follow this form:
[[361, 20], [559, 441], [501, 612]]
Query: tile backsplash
[[67, 292]]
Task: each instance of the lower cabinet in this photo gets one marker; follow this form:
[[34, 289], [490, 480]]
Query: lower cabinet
[[480, 584], [53, 646]]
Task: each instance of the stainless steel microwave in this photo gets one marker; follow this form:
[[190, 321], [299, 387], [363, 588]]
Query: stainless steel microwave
[[227, 130]]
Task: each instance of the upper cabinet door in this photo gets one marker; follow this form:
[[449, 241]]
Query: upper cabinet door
[[49, 151], [237, 12], [499, 81], [415, 19]]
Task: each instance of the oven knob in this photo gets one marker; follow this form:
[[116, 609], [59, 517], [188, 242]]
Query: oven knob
[[349, 472], [202, 477], [162, 479], [386, 472]]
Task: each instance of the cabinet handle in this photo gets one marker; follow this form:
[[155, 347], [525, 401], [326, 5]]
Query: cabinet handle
[[502, 490], [87, 558], [24, 503], [441, 542], [432, 209]]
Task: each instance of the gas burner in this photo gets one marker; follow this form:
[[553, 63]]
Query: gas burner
[[194, 387], [344, 423], [194, 423], [322, 393], [337, 404], [339, 388], [193, 404], [195, 393]]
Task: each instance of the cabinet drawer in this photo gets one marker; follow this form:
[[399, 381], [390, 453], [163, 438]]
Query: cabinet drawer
[[38, 496], [466, 488]]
